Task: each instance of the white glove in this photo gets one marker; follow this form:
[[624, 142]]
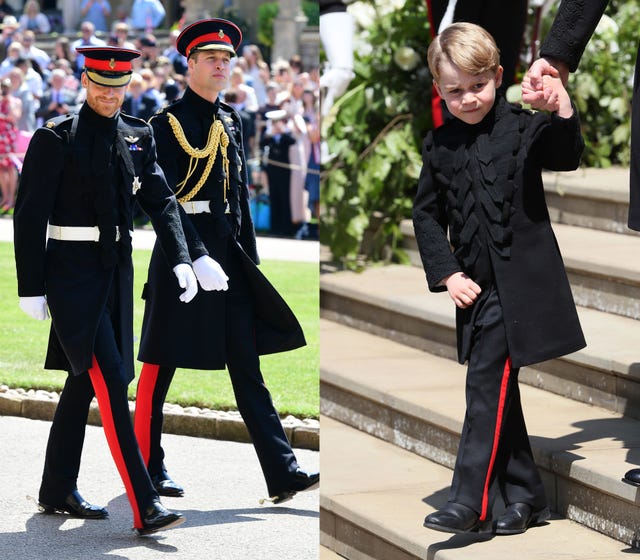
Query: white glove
[[336, 33], [210, 274], [187, 280], [36, 306]]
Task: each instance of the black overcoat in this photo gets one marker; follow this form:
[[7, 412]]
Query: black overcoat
[[482, 184], [193, 335], [58, 185]]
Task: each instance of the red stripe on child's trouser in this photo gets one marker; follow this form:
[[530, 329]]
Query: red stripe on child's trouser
[[496, 437], [104, 404], [144, 403]]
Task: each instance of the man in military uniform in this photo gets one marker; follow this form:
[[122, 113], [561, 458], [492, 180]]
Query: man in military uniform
[[239, 316], [81, 175]]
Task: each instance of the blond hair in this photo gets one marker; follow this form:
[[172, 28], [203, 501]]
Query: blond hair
[[467, 46]]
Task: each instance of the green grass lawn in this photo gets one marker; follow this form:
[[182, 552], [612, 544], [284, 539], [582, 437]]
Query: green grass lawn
[[292, 377]]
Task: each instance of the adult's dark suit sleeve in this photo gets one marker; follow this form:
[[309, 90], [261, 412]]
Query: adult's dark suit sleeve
[[430, 224], [39, 182], [572, 28]]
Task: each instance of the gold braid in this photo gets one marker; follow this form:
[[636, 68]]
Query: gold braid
[[217, 138]]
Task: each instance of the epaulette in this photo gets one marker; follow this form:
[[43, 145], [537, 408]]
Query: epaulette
[[57, 121], [135, 121], [161, 111], [231, 112]]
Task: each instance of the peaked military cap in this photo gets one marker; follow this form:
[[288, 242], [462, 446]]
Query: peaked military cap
[[209, 34], [108, 66]]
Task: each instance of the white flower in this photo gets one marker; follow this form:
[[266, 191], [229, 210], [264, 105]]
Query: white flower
[[605, 36], [363, 13], [406, 58], [362, 44], [386, 7]]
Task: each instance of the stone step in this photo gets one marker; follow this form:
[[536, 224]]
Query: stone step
[[393, 302], [372, 508], [603, 272], [415, 401], [591, 198]]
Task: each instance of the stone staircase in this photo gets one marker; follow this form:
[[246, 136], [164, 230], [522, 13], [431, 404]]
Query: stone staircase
[[392, 398]]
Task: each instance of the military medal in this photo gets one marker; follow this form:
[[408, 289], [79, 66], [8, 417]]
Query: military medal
[[131, 140], [135, 187]]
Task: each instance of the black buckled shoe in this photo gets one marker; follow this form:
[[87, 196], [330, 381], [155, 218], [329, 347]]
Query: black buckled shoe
[[456, 518], [166, 486], [159, 518], [518, 517], [74, 504], [632, 477], [302, 481]]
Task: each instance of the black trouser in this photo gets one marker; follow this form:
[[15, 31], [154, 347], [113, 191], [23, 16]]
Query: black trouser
[[106, 380], [494, 445], [254, 402]]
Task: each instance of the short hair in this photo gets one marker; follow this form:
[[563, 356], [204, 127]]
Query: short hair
[[467, 46]]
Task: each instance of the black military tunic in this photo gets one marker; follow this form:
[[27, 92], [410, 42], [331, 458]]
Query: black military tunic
[[78, 276], [164, 339]]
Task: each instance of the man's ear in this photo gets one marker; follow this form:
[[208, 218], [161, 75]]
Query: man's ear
[[435, 85]]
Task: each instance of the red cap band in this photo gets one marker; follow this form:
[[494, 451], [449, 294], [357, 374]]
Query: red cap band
[[218, 37], [111, 65]]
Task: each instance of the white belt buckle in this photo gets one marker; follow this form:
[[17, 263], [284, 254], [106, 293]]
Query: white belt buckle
[[196, 206]]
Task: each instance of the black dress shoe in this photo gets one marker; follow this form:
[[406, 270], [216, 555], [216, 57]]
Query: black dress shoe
[[75, 505], [157, 518], [518, 517], [166, 486], [456, 518], [632, 477], [301, 481]]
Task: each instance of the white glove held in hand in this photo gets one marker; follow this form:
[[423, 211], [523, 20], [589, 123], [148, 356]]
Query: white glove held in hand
[[36, 306], [187, 280], [210, 274]]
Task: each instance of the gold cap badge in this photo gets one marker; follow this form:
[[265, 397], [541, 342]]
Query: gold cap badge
[[221, 34], [112, 63]]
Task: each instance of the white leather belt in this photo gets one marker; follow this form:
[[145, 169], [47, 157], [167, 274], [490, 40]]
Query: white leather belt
[[196, 206], [77, 233]]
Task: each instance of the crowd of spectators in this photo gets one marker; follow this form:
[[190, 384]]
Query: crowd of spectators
[[277, 102]]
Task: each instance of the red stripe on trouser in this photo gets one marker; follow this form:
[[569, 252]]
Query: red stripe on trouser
[[496, 437], [144, 403], [104, 404]]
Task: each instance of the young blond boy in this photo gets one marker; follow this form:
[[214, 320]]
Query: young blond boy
[[500, 263]]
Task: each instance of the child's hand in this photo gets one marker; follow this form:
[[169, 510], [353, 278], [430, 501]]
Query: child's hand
[[462, 290], [559, 101]]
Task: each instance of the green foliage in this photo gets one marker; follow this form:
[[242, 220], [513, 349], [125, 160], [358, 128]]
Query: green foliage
[[374, 133], [312, 11], [292, 377], [268, 12], [602, 87]]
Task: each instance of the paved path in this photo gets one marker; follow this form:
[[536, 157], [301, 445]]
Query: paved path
[[223, 483], [269, 248]]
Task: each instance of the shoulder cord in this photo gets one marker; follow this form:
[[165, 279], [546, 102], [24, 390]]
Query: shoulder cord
[[218, 138]]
